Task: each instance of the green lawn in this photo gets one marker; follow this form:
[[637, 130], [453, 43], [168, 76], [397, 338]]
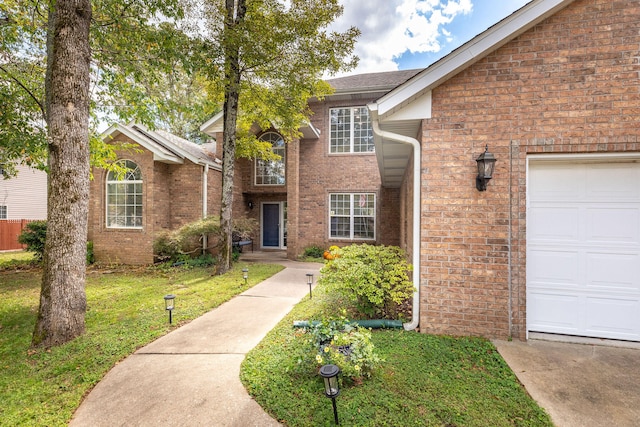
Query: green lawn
[[125, 312], [425, 381]]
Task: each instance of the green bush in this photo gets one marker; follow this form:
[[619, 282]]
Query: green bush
[[185, 242], [174, 245], [313, 251], [90, 256], [34, 236], [373, 278]]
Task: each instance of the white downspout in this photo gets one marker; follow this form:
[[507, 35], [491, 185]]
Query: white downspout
[[415, 320], [205, 185]]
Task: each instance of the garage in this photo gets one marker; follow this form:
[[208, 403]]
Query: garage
[[583, 246]]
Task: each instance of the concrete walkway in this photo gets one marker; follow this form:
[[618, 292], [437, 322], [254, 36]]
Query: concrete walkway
[[579, 384], [190, 377]]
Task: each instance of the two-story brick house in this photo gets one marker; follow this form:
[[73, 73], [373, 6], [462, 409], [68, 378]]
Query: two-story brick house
[[552, 245], [326, 189]]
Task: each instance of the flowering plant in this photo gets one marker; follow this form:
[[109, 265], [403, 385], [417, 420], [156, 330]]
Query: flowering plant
[[332, 253], [337, 342]]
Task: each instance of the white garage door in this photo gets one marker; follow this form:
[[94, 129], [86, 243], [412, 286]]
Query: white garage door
[[583, 249]]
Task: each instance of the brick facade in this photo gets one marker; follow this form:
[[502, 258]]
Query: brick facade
[[172, 197], [312, 173], [568, 85]]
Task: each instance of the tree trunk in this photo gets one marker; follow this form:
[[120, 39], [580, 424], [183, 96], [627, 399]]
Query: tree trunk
[[62, 298], [234, 17]]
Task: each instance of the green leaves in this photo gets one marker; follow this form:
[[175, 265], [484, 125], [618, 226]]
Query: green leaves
[[373, 278]]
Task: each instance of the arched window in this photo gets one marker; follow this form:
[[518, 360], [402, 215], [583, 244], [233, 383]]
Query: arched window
[[272, 172], [124, 196]]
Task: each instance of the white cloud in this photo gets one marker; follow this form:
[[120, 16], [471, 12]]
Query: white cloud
[[392, 27]]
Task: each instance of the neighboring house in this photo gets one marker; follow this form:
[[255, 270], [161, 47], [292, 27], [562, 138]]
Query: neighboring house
[[23, 198], [551, 246], [25, 195], [170, 182]]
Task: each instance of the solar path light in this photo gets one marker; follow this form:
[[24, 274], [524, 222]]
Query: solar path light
[[331, 388]]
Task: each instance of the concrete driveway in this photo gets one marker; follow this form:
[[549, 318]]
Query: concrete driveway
[[579, 385]]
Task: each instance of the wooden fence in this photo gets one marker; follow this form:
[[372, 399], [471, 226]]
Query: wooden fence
[[9, 231]]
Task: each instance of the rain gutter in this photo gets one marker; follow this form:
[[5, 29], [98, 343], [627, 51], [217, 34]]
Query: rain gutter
[[415, 320]]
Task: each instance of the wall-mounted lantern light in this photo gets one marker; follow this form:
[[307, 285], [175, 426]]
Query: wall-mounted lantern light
[[169, 301], [250, 204], [331, 388], [245, 275], [486, 162]]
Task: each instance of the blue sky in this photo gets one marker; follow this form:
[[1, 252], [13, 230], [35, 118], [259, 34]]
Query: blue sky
[[405, 34]]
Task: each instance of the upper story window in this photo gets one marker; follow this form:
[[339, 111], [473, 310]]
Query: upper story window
[[352, 216], [124, 196], [272, 172], [351, 130], [3, 212]]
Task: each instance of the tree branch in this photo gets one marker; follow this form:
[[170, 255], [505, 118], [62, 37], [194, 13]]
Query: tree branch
[[26, 89]]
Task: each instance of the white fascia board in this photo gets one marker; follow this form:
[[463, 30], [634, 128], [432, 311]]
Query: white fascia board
[[477, 48], [160, 154], [213, 125]]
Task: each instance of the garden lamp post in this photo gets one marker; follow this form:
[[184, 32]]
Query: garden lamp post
[[310, 282], [331, 388], [245, 275], [168, 304]]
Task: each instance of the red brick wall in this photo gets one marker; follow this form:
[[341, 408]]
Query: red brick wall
[[172, 197], [569, 85], [322, 173], [312, 174], [130, 246]]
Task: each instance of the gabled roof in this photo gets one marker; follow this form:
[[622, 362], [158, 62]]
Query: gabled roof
[[215, 125], [469, 53], [166, 147], [371, 82], [401, 110]]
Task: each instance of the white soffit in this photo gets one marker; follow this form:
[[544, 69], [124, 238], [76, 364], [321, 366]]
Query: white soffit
[[477, 48]]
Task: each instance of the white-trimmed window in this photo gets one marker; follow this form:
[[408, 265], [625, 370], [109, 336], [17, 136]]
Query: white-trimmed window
[[350, 131], [352, 216], [3, 212], [272, 172], [124, 196]]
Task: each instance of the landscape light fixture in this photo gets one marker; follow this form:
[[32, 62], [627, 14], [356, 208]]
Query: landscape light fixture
[[245, 274], [486, 162], [310, 282], [331, 388], [169, 301]]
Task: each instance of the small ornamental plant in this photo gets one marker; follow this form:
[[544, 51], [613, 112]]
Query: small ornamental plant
[[337, 342], [332, 253]]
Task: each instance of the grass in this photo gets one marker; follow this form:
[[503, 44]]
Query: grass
[[125, 311], [425, 380]]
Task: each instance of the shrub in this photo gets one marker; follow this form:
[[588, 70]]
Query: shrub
[[185, 240], [373, 278], [313, 251], [90, 256], [34, 236], [335, 341]]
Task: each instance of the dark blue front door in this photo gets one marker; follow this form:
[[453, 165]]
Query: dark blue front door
[[271, 225]]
